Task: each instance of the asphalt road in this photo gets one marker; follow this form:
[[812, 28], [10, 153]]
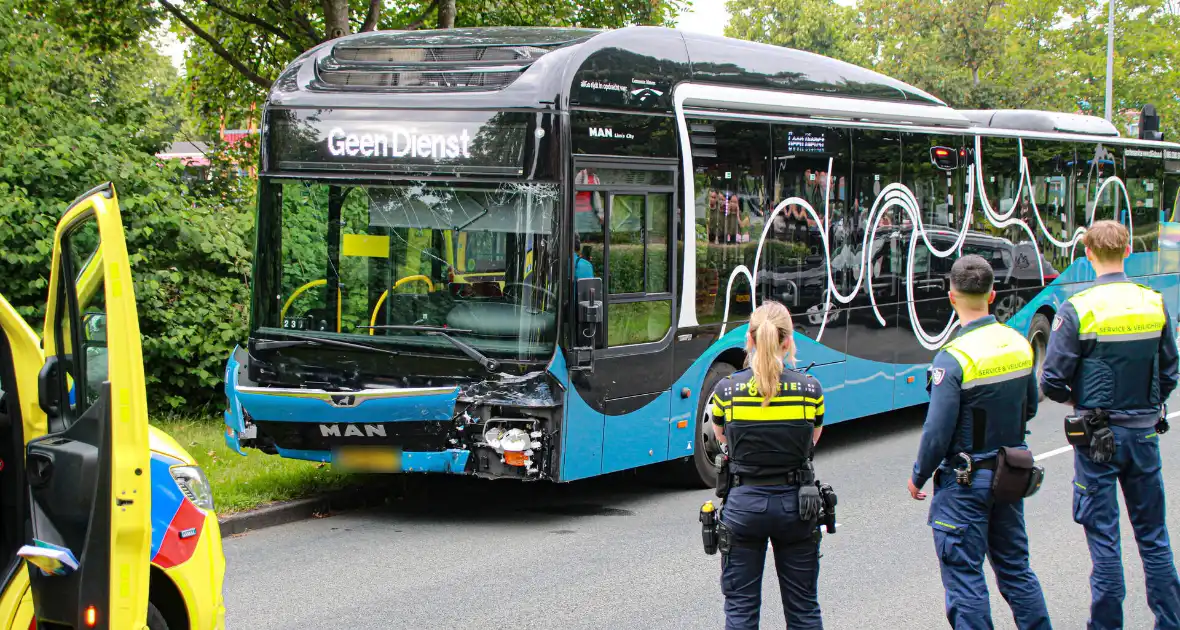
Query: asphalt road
[[621, 553]]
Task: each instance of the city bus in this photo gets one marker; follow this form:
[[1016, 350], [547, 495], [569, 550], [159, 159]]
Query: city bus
[[531, 253]]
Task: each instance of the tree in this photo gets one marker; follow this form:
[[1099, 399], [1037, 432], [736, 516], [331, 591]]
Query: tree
[[1145, 60], [1042, 54], [971, 53], [70, 119], [819, 26], [238, 47]]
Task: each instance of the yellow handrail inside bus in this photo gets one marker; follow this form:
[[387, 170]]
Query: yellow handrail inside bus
[[303, 289], [381, 300]]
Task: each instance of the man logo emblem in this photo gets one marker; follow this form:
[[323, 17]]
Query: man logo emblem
[[347, 400], [1056, 322], [936, 375], [352, 430]]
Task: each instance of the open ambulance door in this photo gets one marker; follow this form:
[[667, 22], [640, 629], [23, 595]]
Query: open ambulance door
[[88, 477], [20, 418]]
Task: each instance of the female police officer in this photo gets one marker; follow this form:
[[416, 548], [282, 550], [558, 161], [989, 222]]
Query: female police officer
[[770, 419]]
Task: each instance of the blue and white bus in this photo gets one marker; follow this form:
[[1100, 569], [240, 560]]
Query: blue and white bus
[[529, 253]]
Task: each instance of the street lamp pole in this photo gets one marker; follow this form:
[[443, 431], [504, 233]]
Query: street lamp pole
[[1109, 59]]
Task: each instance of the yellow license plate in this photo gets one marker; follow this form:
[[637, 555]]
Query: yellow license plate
[[367, 458]]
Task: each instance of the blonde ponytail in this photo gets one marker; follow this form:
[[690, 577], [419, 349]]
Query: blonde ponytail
[[770, 326]]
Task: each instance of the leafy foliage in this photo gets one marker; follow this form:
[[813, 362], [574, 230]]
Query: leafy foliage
[[819, 26], [1044, 54], [238, 47], [69, 120]]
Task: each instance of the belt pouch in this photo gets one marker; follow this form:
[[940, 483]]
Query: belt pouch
[[1077, 432], [1013, 475]]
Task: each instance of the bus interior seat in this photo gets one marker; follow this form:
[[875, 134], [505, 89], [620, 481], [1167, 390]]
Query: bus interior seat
[[476, 290]]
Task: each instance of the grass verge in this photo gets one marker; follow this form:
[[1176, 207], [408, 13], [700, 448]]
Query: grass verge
[[241, 483]]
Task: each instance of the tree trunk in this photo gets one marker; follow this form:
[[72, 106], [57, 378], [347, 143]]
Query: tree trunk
[[446, 14], [335, 18]]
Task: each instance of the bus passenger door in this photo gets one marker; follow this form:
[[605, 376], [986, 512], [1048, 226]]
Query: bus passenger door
[[623, 235], [89, 487]]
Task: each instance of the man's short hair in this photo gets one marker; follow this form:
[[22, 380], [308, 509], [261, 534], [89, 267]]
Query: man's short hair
[[972, 275], [1107, 239]]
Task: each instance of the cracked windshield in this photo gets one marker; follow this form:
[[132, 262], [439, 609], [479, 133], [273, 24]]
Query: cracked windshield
[[388, 263]]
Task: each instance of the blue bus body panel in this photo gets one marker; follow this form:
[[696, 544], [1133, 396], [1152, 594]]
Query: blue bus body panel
[[636, 438], [235, 423], [294, 407], [280, 407]]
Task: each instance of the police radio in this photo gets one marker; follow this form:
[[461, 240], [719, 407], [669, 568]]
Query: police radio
[[708, 520]]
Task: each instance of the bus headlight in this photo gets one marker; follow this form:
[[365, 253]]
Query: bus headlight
[[195, 485]]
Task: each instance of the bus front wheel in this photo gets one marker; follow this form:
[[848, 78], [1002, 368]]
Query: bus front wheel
[[699, 470], [1038, 338]]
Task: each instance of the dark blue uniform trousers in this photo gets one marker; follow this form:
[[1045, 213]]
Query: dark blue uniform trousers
[[968, 525], [1136, 465], [756, 514]]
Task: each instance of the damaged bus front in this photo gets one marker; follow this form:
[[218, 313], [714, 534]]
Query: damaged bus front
[[405, 293]]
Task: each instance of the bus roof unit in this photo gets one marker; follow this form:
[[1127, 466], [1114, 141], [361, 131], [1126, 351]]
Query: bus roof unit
[[1035, 120], [515, 67]]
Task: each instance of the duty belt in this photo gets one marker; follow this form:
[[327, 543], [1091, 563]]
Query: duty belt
[[793, 478], [976, 464], [984, 464]]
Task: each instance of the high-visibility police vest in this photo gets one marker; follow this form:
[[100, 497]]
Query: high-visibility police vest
[[771, 440], [997, 363], [1119, 325]]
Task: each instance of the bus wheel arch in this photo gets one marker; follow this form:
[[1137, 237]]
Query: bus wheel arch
[[165, 598], [1038, 338], [735, 357], [698, 470]]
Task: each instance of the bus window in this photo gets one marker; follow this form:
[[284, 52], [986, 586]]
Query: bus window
[[1050, 172], [1094, 165], [731, 206], [304, 257], [1001, 174], [1144, 179], [1172, 197], [589, 214], [638, 269], [382, 260]]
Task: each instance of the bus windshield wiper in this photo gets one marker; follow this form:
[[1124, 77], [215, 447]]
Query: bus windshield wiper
[[308, 340], [488, 363]]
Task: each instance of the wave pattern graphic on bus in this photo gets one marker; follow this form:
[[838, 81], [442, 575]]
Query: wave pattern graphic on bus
[[900, 196]]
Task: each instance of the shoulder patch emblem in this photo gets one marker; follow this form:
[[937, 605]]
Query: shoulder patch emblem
[[936, 375], [1057, 322]]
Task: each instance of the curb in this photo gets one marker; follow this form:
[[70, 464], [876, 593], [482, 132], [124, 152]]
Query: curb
[[285, 512]]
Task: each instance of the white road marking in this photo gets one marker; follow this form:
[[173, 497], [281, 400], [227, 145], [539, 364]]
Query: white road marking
[[1173, 414], [1056, 451]]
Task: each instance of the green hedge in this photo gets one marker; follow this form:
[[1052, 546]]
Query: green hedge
[[70, 120]]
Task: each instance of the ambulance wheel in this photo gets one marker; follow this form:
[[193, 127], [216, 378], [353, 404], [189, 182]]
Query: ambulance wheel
[[1038, 338], [699, 470], [155, 620]]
